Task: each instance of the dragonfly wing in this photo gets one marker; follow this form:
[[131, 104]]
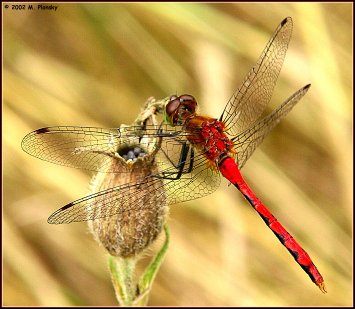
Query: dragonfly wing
[[249, 101], [114, 201], [199, 182], [91, 148], [141, 195], [80, 147], [246, 142]]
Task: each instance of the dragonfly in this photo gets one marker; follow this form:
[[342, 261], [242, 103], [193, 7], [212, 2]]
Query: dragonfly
[[190, 151]]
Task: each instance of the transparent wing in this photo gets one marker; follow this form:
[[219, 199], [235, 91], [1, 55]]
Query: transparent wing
[[143, 194], [96, 149], [249, 101], [246, 142]]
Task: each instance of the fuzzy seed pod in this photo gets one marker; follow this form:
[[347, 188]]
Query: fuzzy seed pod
[[142, 208]]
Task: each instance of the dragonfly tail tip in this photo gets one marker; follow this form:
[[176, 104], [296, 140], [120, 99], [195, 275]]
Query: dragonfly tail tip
[[321, 286]]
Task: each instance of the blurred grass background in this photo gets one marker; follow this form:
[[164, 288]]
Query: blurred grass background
[[96, 64]]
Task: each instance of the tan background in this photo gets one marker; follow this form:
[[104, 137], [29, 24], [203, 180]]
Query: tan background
[[95, 64]]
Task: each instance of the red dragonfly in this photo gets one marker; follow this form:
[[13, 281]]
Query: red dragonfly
[[189, 149]]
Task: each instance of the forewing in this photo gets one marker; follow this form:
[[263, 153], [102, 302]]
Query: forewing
[[80, 147], [249, 101], [91, 148]]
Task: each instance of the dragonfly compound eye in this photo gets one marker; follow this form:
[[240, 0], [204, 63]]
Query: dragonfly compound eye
[[186, 97], [179, 108], [189, 102], [171, 110], [173, 97]]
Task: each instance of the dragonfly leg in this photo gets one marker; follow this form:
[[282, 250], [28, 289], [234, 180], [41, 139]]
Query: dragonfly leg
[[180, 167]]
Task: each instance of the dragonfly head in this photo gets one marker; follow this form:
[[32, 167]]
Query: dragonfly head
[[178, 109]]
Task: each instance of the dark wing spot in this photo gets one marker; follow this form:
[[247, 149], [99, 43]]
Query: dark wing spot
[[284, 21], [42, 130]]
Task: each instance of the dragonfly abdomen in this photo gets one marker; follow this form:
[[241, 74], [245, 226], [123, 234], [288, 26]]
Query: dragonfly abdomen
[[230, 170]]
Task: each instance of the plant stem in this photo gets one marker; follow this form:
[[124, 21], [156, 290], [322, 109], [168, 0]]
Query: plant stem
[[122, 270]]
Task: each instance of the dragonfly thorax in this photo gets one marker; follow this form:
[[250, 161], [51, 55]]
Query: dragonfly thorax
[[208, 135]]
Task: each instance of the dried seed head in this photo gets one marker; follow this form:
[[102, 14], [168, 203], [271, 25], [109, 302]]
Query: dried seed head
[[144, 208]]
